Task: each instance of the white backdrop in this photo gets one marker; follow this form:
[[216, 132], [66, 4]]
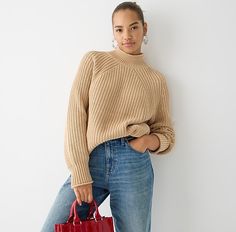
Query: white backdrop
[[191, 42]]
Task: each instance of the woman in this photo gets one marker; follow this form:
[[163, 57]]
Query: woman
[[118, 116]]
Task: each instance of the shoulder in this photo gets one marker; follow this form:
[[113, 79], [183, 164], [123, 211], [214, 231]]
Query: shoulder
[[88, 56], [99, 60], [94, 55], [92, 58], [97, 57]]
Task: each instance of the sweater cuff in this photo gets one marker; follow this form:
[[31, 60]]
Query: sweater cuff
[[164, 143], [80, 176]]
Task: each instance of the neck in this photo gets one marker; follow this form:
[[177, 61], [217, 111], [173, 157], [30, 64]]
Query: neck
[[128, 58]]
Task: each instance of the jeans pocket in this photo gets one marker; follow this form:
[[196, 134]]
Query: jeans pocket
[[131, 148]]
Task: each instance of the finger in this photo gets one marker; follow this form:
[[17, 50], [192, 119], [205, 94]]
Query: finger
[[90, 197], [85, 192], [90, 194], [82, 196], [78, 197]]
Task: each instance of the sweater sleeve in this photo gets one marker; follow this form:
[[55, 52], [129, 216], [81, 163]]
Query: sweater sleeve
[[75, 140], [162, 127]]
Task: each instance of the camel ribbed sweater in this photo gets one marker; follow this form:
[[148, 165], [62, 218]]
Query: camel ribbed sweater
[[114, 94]]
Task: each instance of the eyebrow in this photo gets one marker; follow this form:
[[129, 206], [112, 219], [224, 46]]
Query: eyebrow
[[129, 25]]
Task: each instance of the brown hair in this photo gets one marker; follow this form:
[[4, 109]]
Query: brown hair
[[132, 6]]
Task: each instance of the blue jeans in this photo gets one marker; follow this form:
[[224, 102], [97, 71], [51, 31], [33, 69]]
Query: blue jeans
[[124, 173]]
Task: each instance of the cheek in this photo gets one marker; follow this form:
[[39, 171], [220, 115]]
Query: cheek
[[118, 38], [140, 34]]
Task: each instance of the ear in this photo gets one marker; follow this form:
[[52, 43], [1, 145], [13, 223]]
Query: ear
[[145, 28]]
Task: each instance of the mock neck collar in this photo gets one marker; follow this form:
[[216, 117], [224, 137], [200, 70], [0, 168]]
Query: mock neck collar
[[128, 58]]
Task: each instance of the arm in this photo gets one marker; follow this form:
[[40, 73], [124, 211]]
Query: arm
[[162, 127], [75, 145]]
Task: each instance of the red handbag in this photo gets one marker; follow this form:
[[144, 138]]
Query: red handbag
[[91, 224]]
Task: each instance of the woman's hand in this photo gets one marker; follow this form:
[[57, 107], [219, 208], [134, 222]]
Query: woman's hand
[[84, 193], [139, 144], [145, 142]]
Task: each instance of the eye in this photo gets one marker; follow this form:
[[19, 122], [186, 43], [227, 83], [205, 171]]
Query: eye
[[134, 27], [118, 30]]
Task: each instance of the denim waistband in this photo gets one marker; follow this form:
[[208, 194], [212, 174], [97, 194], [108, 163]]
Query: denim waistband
[[121, 140], [129, 137]]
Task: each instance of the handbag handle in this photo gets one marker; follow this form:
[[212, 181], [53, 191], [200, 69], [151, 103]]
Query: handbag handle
[[74, 217], [91, 210]]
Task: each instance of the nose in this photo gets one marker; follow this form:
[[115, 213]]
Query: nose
[[127, 35]]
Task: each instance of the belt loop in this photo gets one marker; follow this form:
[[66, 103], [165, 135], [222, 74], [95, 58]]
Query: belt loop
[[129, 137], [123, 140], [126, 138]]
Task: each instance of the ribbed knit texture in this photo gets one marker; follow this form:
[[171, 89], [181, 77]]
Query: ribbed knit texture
[[114, 94]]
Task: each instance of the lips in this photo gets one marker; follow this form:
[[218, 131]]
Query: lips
[[128, 44]]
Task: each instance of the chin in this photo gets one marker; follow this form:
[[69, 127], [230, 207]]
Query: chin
[[131, 50]]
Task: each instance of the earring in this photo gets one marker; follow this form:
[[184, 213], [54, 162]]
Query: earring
[[145, 39], [114, 43]]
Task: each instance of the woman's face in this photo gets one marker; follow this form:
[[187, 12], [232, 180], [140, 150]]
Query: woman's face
[[128, 31]]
